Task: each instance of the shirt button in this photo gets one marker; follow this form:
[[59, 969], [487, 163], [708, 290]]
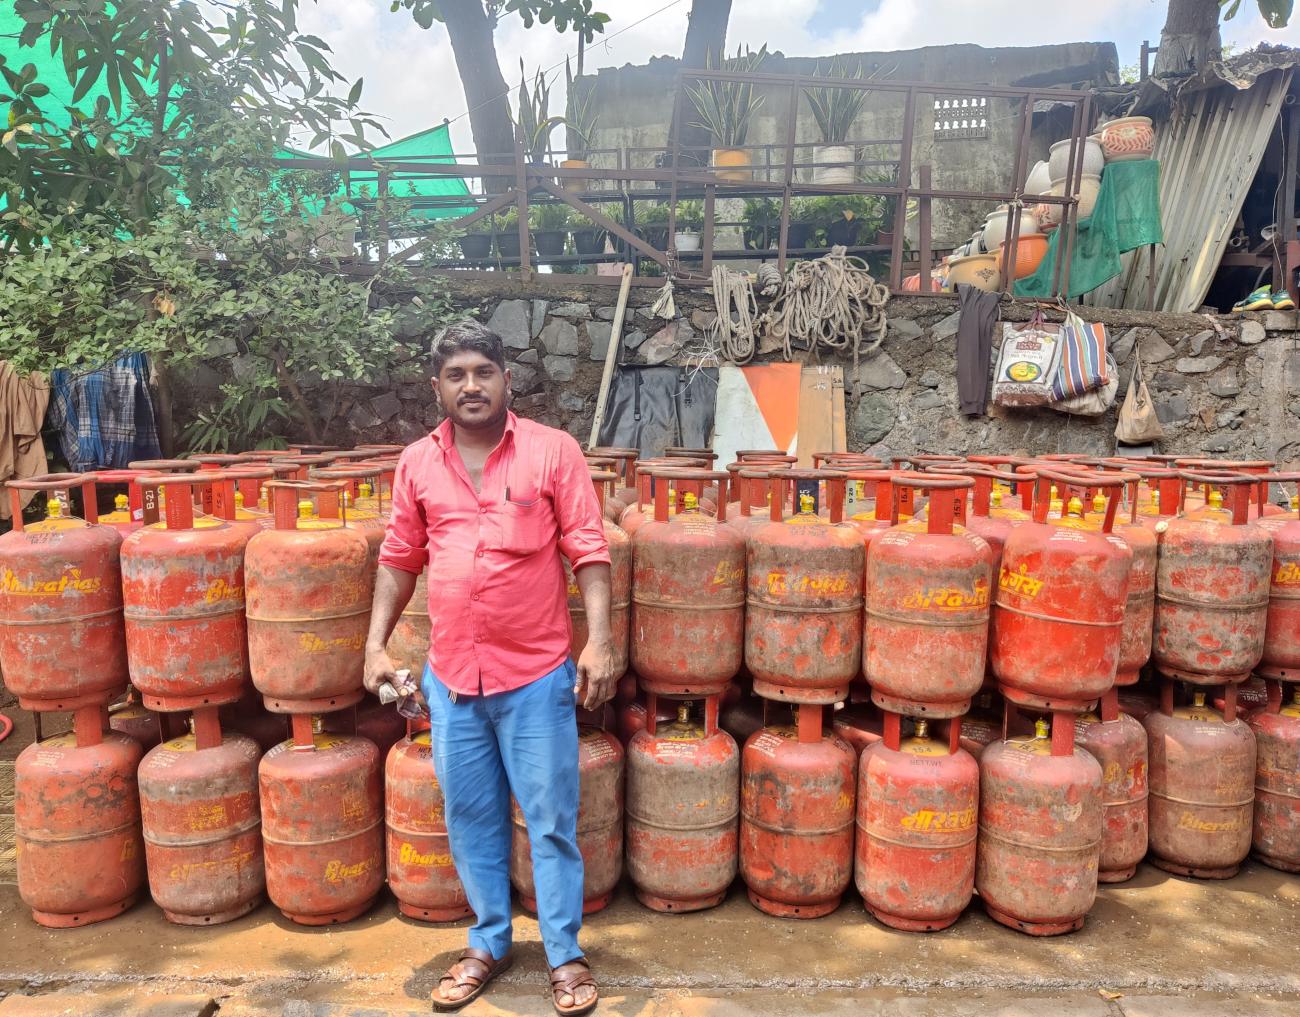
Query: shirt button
[[482, 509], [476, 596], [480, 554], [478, 639]]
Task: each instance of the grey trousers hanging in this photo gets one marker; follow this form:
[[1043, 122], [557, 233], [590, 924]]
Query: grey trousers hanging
[[974, 347]]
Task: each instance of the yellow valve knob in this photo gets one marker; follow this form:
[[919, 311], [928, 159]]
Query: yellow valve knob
[[1074, 508], [995, 500], [364, 490], [1041, 728], [1198, 698], [239, 499], [689, 501], [806, 503], [347, 499], [921, 729], [1216, 499], [684, 712], [120, 502], [304, 509], [1099, 502], [1155, 497], [54, 508], [1295, 501], [317, 725]]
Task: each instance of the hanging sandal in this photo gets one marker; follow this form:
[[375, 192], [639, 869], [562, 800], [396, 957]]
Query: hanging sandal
[[1282, 301], [475, 969], [1256, 300], [578, 975]]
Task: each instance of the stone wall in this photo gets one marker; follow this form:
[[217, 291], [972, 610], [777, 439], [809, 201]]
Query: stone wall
[[1222, 385]]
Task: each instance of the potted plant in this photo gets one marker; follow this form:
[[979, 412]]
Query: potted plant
[[761, 217], [725, 109], [588, 238], [549, 224], [803, 217], [652, 221], [534, 123], [476, 241], [506, 230], [690, 220], [835, 109], [580, 118], [852, 219]]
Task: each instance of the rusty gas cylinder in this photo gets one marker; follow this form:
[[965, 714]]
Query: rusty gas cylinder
[[308, 593], [1058, 616], [1140, 600], [874, 488], [1202, 777], [1212, 587], [600, 825], [62, 641], [927, 608], [740, 716], [421, 872], [1280, 658], [981, 725], [1119, 744], [862, 725], [77, 824], [183, 594], [918, 805], [408, 646], [688, 594], [753, 511], [640, 510], [369, 518], [620, 584], [127, 514], [1276, 837], [1040, 833], [322, 824], [803, 617], [683, 799], [796, 817], [203, 824], [624, 492], [632, 718]]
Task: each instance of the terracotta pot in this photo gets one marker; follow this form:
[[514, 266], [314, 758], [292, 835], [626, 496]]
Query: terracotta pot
[[835, 164], [1128, 138], [995, 227], [732, 164], [1031, 248], [978, 270], [1039, 179], [1058, 160], [570, 184], [1049, 216], [912, 283]]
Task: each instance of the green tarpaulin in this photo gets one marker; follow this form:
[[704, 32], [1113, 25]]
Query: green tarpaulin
[[1126, 216]]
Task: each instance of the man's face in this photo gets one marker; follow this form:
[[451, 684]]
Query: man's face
[[472, 390]]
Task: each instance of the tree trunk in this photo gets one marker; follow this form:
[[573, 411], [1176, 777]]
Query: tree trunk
[[706, 40], [1190, 40], [486, 92]]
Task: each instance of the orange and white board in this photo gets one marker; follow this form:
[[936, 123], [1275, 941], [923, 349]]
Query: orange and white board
[[797, 409]]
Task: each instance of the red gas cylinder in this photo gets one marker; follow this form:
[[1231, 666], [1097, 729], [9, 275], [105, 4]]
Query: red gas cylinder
[[1058, 617], [796, 817], [740, 716], [632, 718], [927, 608], [754, 508], [988, 517], [202, 824], [982, 724], [421, 872], [876, 487], [683, 797], [640, 509], [371, 719], [600, 825], [918, 801], [1202, 786], [1212, 587], [620, 584], [77, 824], [862, 725], [1276, 837], [1140, 602], [408, 646], [183, 593], [803, 621], [624, 492], [62, 643], [322, 823], [1281, 654], [688, 595], [1041, 826], [128, 507], [370, 521], [309, 588], [1119, 744]]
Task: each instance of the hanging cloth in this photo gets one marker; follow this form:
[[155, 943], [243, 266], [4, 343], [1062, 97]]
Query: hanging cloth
[[23, 399]]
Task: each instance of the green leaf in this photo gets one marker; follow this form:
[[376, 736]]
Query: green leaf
[[1277, 13], [355, 93]]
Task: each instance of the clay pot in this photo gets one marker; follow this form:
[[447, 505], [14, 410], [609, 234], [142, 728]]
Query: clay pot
[[835, 164], [978, 270], [1088, 188], [1031, 248], [1039, 179], [1049, 216], [732, 164], [1128, 139], [912, 283], [995, 227], [1058, 160], [571, 184]]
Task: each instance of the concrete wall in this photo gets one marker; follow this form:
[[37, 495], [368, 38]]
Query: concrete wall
[[634, 108]]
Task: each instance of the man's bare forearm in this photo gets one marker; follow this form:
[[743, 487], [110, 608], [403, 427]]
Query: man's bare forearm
[[593, 584], [393, 589]]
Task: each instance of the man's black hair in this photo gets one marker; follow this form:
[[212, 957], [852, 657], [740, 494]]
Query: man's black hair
[[467, 337]]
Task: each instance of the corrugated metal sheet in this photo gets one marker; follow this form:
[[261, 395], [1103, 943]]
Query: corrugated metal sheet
[[1209, 153]]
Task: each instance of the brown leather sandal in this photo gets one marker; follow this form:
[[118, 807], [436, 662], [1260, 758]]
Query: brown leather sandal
[[475, 969], [569, 983]]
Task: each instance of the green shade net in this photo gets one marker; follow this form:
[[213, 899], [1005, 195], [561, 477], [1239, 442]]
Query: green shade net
[[1126, 216]]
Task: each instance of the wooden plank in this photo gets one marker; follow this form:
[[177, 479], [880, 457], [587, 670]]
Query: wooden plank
[[816, 428], [839, 430]]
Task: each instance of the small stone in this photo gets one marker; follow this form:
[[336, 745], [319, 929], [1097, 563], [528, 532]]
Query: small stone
[[947, 327], [527, 357], [879, 371], [386, 405], [539, 315], [904, 328], [409, 430], [873, 418], [362, 418], [928, 400], [930, 378], [560, 368], [1280, 321], [661, 347], [606, 313], [1155, 350], [1229, 418], [571, 310], [1173, 410], [702, 319], [1225, 384], [1251, 334], [524, 378], [510, 322], [598, 334], [405, 392], [571, 402], [1217, 444], [531, 404], [243, 367], [1199, 340], [225, 346], [559, 337], [1198, 365], [634, 339], [1168, 381], [1122, 348]]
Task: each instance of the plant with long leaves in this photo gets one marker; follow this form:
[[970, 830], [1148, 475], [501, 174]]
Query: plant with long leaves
[[836, 108], [726, 108], [533, 118], [579, 115]]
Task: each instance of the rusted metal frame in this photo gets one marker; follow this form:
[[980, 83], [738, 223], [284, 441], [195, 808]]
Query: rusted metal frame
[[1076, 125], [1290, 137], [671, 242], [383, 215], [902, 179], [486, 209], [600, 219], [787, 178], [706, 240], [521, 201], [1075, 174], [1011, 240], [875, 84], [560, 281], [923, 225]]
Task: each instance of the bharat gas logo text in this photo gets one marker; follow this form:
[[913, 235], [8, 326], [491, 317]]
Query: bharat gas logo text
[[71, 582]]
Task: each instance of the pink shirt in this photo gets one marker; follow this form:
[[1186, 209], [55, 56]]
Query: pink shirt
[[497, 594]]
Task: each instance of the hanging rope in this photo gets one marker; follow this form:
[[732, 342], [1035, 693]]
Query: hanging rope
[[832, 301], [735, 336]]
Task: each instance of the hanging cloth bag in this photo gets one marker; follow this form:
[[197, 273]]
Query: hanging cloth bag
[[1138, 423]]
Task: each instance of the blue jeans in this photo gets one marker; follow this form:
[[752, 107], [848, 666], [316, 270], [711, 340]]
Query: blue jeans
[[485, 748]]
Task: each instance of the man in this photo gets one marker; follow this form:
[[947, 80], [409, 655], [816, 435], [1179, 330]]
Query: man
[[490, 502]]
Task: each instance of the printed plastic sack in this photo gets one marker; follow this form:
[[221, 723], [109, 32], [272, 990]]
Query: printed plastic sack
[[1138, 423], [1083, 358], [1096, 402], [1027, 364]]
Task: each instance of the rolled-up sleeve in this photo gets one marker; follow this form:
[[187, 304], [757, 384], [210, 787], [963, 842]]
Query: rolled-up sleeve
[[405, 545], [577, 510]]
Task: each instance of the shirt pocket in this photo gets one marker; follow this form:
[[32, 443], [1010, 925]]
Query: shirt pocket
[[526, 527]]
